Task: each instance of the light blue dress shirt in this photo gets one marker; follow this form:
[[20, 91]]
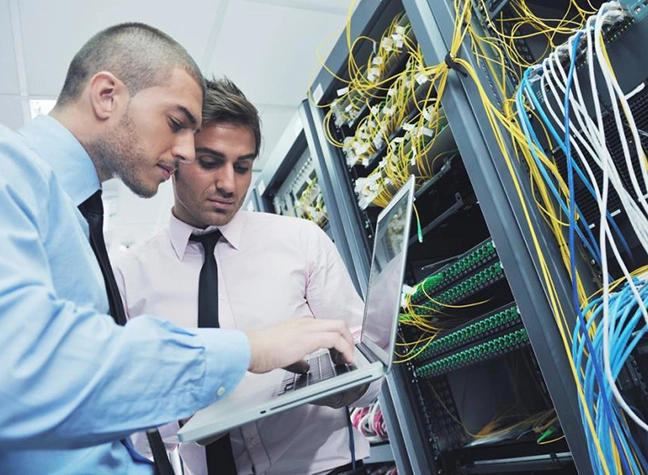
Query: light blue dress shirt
[[72, 382]]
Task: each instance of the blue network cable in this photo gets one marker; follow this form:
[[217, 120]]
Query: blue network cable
[[606, 416], [531, 140], [622, 343], [604, 425], [592, 244], [566, 144]]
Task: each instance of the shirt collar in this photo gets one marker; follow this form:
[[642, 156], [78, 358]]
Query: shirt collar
[[179, 232], [64, 153]]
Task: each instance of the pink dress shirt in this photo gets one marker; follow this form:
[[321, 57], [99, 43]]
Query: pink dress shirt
[[270, 268]]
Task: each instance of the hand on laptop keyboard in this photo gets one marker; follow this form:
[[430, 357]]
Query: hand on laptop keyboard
[[285, 343], [300, 367], [323, 367]]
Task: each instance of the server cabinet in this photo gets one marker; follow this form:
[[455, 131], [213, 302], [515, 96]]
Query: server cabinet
[[473, 255]]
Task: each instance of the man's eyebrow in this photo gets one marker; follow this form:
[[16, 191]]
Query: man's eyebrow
[[210, 151], [217, 154]]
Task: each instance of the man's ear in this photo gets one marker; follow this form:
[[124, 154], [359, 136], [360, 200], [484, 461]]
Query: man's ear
[[107, 94]]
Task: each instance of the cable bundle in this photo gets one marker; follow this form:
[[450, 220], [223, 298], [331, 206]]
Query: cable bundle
[[395, 115], [388, 469], [608, 328], [366, 81], [310, 204], [410, 91], [415, 153], [615, 326], [369, 421]]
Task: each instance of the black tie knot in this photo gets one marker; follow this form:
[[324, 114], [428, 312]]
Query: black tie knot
[[93, 205], [208, 240]]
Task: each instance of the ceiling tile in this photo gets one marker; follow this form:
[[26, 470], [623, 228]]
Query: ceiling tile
[[68, 24], [270, 51], [8, 73], [330, 6]]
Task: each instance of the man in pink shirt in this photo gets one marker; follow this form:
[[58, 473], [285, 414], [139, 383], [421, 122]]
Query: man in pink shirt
[[271, 268]]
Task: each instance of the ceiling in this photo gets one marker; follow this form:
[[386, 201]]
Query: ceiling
[[267, 47]]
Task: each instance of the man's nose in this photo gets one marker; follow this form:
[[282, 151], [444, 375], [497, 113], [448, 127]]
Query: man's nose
[[183, 150], [225, 181]]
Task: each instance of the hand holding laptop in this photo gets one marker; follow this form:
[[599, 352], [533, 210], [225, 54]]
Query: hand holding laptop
[[262, 395], [288, 342], [336, 401]]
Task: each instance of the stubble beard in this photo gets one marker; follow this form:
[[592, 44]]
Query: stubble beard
[[117, 154]]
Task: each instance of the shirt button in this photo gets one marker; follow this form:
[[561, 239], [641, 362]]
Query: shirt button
[[220, 391], [253, 441]]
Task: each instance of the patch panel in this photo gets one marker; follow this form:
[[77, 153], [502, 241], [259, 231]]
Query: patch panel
[[472, 261], [478, 353], [440, 414], [385, 120], [392, 50], [461, 291], [499, 320]]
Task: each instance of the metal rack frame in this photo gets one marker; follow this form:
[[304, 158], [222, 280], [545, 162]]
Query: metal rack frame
[[433, 23]]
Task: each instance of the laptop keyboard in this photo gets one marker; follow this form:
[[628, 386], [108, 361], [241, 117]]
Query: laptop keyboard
[[321, 369]]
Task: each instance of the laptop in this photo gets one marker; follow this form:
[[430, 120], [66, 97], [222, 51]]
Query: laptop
[[262, 395]]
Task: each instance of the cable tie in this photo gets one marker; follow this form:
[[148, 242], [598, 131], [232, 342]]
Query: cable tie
[[452, 64]]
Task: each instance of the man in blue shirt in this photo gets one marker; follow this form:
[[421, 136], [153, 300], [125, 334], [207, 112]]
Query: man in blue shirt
[[72, 382]]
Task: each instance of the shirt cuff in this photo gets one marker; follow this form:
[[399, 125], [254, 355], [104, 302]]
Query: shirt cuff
[[227, 358]]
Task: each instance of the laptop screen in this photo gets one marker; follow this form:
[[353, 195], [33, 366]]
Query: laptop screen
[[386, 275]]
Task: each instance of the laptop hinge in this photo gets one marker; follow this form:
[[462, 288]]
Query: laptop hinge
[[367, 353]]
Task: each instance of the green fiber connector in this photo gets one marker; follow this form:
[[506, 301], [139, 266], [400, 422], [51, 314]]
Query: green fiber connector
[[485, 349]]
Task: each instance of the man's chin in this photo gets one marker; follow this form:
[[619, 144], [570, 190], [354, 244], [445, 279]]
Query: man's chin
[[219, 218], [142, 190]]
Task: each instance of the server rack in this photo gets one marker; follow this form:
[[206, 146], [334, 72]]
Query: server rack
[[502, 211], [252, 201]]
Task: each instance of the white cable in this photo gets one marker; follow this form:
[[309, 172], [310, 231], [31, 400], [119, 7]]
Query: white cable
[[586, 124], [604, 229], [614, 89], [593, 141]]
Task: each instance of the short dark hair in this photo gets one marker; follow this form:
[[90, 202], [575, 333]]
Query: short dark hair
[[224, 103], [139, 55]]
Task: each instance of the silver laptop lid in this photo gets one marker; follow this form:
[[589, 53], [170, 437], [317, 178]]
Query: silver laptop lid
[[386, 275]]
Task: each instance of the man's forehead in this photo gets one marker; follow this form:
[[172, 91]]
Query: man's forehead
[[210, 129], [214, 135], [185, 94]]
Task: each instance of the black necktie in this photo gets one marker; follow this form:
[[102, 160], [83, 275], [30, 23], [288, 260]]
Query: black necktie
[[208, 283], [220, 460], [92, 211]]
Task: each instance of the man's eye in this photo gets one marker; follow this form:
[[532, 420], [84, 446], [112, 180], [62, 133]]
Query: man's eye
[[241, 169], [175, 125], [207, 163]]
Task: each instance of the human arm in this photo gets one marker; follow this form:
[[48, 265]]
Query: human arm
[[70, 376], [283, 344]]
